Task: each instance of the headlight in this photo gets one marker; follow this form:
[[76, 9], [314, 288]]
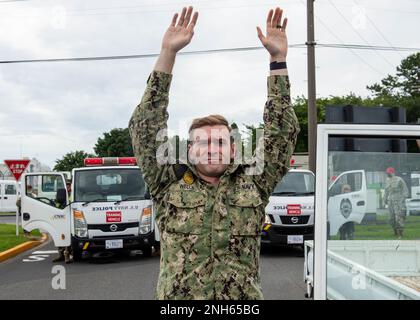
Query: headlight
[[267, 219], [80, 225], [145, 220]]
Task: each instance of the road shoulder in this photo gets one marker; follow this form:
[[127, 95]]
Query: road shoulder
[[12, 252]]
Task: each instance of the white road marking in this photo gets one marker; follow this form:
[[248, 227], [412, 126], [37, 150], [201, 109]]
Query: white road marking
[[40, 257], [37, 256], [45, 252]]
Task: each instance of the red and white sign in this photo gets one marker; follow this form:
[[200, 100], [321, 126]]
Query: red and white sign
[[17, 167], [294, 209], [113, 216]]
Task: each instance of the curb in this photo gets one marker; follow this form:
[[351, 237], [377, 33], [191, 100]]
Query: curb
[[10, 253]]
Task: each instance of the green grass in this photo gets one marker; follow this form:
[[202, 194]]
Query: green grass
[[8, 238], [382, 230]]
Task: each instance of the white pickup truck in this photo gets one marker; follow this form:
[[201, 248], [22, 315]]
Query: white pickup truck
[[368, 270], [107, 208], [290, 212]]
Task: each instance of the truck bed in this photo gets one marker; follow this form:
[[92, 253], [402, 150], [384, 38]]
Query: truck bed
[[412, 282], [363, 269]]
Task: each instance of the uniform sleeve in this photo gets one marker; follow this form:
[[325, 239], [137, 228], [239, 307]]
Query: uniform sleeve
[[281, 128], [147, 121], [404, 188]]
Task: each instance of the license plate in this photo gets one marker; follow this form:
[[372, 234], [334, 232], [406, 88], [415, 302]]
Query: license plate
[[295, 239], [114, 244]]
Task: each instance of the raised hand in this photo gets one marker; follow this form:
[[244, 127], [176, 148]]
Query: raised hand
[[181, 30], [275, 41]]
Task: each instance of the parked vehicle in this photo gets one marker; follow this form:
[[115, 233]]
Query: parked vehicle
[[9, 192], [108, 207]]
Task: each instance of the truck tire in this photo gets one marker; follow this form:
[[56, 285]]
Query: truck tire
[[347, 231], [77, 254], [147, 252]]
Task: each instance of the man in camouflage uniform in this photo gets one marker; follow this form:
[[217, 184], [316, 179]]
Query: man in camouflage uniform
[[396, 192], [210, 214]]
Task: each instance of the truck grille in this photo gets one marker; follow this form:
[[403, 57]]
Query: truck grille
[[298, 220], [106, 227], [292, 230]]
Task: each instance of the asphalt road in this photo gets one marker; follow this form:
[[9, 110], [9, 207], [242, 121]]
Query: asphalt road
[[31, 276], [7, 219]]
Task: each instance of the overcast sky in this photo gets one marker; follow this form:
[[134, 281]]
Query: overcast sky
[[49, 109]]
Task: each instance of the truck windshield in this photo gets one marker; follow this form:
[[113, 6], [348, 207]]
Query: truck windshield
[[296, 184], [108, 185]]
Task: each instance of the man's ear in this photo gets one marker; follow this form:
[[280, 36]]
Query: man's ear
[[233, 150], [189, 147]]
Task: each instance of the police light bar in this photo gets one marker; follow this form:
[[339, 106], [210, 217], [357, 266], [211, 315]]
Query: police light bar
[[110, 161]]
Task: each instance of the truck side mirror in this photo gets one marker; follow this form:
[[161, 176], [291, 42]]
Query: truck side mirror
[[61, 197], [147, 195]]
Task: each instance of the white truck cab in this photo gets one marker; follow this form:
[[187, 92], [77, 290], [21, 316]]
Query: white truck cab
[[107, 208], [347, 197], [290, 211]]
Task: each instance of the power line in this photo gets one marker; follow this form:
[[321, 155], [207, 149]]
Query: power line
[[357, 32], [342, 43], [351, 49], [4, 1], [212, 51], [368, 47], [393, 10], [377, 29], [132, 9], [141, 56]]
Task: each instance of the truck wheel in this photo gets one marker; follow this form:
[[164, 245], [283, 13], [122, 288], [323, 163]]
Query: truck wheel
[[77, 254], [147, 252], [347, 231]]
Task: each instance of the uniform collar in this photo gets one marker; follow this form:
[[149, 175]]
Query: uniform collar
[[229, 170]]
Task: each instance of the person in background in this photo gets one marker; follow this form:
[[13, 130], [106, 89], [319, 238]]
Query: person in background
[[396, 192]]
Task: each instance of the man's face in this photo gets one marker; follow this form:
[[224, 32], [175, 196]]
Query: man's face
[[211, 150]]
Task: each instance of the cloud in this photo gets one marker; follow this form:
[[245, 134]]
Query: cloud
[[49, 109]]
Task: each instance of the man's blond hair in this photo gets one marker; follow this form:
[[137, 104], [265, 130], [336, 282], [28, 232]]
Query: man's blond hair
[[211, 120]]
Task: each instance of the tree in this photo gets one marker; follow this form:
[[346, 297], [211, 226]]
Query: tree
[[402, 89], [406, 82], [71, 160], [116, 143]]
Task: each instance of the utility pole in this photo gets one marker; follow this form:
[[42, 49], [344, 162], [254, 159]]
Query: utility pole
[[312, 112]]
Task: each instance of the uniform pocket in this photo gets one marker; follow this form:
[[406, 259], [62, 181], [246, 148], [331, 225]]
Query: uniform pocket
[[185, 212], [246, 214]]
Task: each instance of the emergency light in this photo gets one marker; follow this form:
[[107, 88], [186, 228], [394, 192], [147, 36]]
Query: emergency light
[[110, 161]]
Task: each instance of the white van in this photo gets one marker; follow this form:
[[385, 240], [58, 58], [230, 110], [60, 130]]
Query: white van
[[108, 207], [9, 192], [413, 203], [290, 212]]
